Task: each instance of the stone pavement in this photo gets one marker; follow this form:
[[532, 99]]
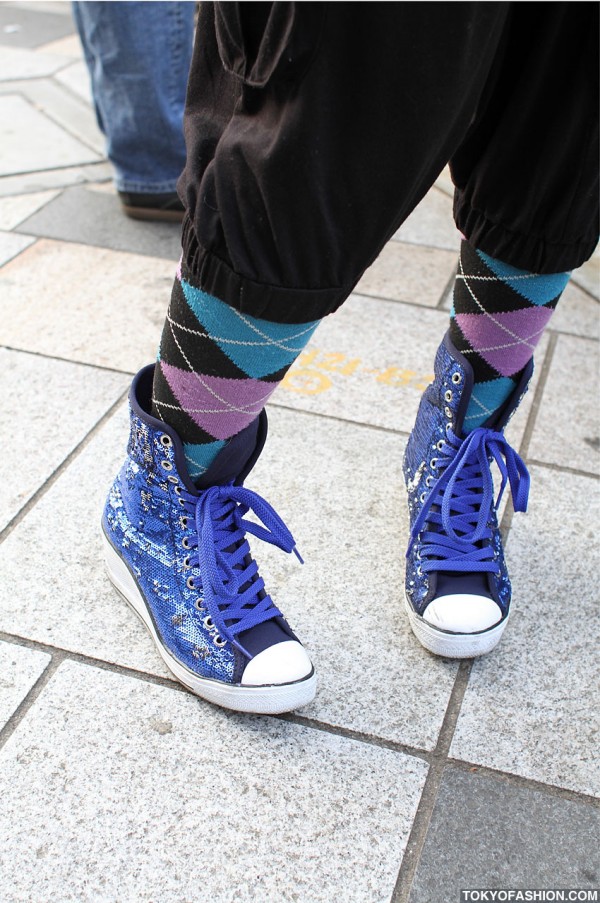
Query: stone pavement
[[409, 777]]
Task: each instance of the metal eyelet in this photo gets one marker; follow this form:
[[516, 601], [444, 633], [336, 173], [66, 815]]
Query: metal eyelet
[[166, 465], [181, 502], [429, 481], [190, 583], [420, 571], [166, 440], [172, 479], [199, 604], [440, 445], [177, 490], [448, 396], [185, 543], [448, 413], [186, 562], [208, 622], [456, 378], [422, 497], [448, 429], [433, 463], [219, 641], [184, 521]]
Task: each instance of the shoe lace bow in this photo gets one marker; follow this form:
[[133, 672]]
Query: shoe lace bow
[[232, 589], [458, 508]]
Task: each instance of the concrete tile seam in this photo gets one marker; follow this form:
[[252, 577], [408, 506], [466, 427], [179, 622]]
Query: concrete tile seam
[[49, 169], [553, 336], [438, 758], [18, 181], [372, 426], [173, 684], [29, 700], [586, 291], [507, 517], [39, 110], [445, 293], [582, 338], [73, 454], [562, 468], [18, 253], [41, 78], [78, 136], [68, 360], [431, 788], [518, 780], [389, 298], [370, 739], [80, 242], [539, 391]]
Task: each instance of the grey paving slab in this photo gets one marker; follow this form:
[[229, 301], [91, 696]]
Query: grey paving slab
[[444, 182], [370, 362], [98, 306], [409, 273], [11, 245], [58, 103], [96, 218], [567, 428], [531, 707], [577, 313], [431, 223], [48, 407], [54, 178], [588, 275], [345, 602], [69, 46], [114, 789], [31, 141], [74, 606], [20, 27], [488, 833], [13, 210], [76, 78], [19, 670], [17, 63]]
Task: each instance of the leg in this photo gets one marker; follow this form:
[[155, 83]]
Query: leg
[[529, 212], [138, 56], [282, 218]]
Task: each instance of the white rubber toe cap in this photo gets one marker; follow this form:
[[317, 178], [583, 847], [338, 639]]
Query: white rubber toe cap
[[282, 663], [462, 613]]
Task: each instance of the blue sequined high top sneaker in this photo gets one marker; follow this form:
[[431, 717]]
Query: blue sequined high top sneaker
[[178, 554], [457, 587]]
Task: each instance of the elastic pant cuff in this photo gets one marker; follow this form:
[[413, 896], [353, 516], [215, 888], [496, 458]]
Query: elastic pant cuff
[[276, 303], [527, 252]]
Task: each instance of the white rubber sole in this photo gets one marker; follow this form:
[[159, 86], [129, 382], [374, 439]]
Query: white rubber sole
[[454, 645], [261, 700]]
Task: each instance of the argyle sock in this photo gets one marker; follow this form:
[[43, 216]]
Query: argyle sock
[[216, 370], [498, 316]]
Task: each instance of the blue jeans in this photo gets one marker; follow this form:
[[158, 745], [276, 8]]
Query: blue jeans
[[138, 56]]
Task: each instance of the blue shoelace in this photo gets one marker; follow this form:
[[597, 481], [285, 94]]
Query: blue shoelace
[[456, 515], [233, 591]]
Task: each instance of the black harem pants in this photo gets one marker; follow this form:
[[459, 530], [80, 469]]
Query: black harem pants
[[314, 129]]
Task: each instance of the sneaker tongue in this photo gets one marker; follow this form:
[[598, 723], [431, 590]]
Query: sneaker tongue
[[262, 636], [474, 584], [232, 460]]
